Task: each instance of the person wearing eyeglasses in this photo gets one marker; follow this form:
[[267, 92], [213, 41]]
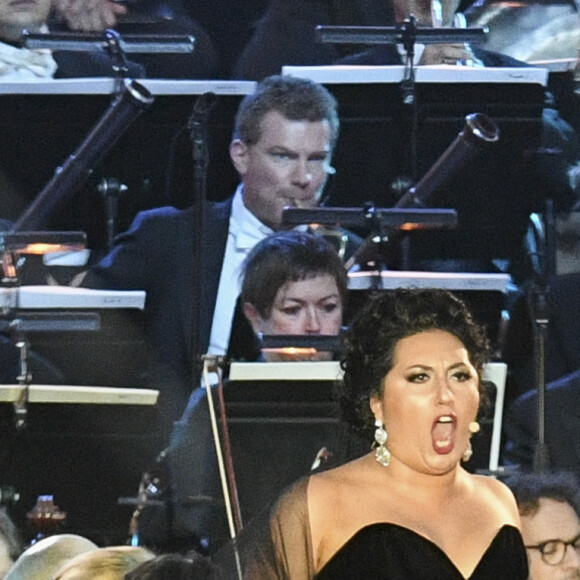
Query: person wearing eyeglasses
[[549, 507]]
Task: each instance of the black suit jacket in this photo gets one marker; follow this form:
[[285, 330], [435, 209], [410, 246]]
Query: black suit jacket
[[563, 339], [156, 255], [285, 35], [562, 426], [90, 64]]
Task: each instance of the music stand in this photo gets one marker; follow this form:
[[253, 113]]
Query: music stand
[[543, 269], [383, 223], [407, 34], [128, 43], [114, 45]]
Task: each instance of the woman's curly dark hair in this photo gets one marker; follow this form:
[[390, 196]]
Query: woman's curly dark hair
[[369, 346]]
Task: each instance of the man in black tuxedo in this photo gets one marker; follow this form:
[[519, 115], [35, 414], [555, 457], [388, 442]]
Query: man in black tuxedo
[[287, 30], [283, 140]]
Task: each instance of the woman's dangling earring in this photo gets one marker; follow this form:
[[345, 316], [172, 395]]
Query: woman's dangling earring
[[468, 453], [474, 427], [382, 454]]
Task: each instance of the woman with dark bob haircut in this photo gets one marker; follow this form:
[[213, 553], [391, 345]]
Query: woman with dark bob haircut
[[407, 509]]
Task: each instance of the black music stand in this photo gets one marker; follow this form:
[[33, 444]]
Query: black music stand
[[17, 323], [198, 126], [407, 34], [382, 223], [128, 43], [281, 410], [112, 43]]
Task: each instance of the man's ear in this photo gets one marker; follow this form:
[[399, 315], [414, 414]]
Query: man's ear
[[254, 317], [239, 156]]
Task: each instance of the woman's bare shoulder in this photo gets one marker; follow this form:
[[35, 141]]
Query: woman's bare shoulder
[[493, 486], [499, 494], [339, 492], [337, 507], [334, 481]]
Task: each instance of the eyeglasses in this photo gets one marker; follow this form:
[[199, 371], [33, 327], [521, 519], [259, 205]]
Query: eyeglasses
[[554, 551]]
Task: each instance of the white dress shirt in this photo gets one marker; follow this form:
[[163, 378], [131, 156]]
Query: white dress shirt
[[20, 64], [245, 231]]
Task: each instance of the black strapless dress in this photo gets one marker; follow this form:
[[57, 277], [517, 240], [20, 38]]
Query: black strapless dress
[[391, 552]]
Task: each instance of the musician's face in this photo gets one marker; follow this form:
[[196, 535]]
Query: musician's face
[[17, 15], [554, 520], [287, 167], [309, 306]]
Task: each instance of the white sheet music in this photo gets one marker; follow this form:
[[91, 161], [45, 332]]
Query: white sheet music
[[391, 279], [79, 395], [62, 297], [441, 73], [105, 86], [285, 371]]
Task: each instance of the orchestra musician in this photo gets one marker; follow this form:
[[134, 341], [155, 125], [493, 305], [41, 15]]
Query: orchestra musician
[[510, 184], [283, 140], [294, 283], [287, 30], [549, 506]]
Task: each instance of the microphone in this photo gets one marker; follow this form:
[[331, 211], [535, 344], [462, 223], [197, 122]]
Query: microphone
[[202, 108], [198, 126]]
